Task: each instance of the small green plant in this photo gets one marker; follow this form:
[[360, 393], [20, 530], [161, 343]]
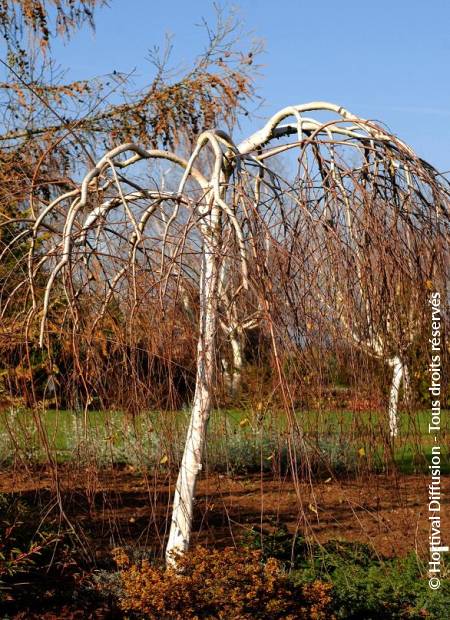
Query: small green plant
[[367, 589], [365, 586], [18, 553]]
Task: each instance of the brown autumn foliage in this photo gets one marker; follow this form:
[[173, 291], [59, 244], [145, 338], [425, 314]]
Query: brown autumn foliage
[[39, 159], [44, 18], [214, 584]]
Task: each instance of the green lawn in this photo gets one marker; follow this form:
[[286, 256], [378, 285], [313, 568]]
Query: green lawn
[[238, 440]]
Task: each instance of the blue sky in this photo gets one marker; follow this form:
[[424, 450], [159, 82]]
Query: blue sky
[[383, 60]]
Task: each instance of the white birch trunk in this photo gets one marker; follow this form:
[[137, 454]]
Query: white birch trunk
[[236, 347], [226, 374], [397, 375], [233, 377], [183, 503], [406, 385]]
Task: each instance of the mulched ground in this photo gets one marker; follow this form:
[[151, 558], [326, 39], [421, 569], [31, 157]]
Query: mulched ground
[[123, 507]]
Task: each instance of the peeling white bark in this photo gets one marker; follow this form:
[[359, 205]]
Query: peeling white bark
[[397, 376]]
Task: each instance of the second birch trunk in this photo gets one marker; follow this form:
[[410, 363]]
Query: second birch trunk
[[397, 375]]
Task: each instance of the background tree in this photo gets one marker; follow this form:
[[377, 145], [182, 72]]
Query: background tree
[[375, 283]]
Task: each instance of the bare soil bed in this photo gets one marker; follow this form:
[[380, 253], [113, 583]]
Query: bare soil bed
[[123, 507]]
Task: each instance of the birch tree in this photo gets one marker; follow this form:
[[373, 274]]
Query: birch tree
[[381, 245], [107, 237]]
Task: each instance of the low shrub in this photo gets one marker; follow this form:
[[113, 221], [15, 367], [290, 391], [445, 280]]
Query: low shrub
[[365, 586], [219, 584], [392, 589]]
